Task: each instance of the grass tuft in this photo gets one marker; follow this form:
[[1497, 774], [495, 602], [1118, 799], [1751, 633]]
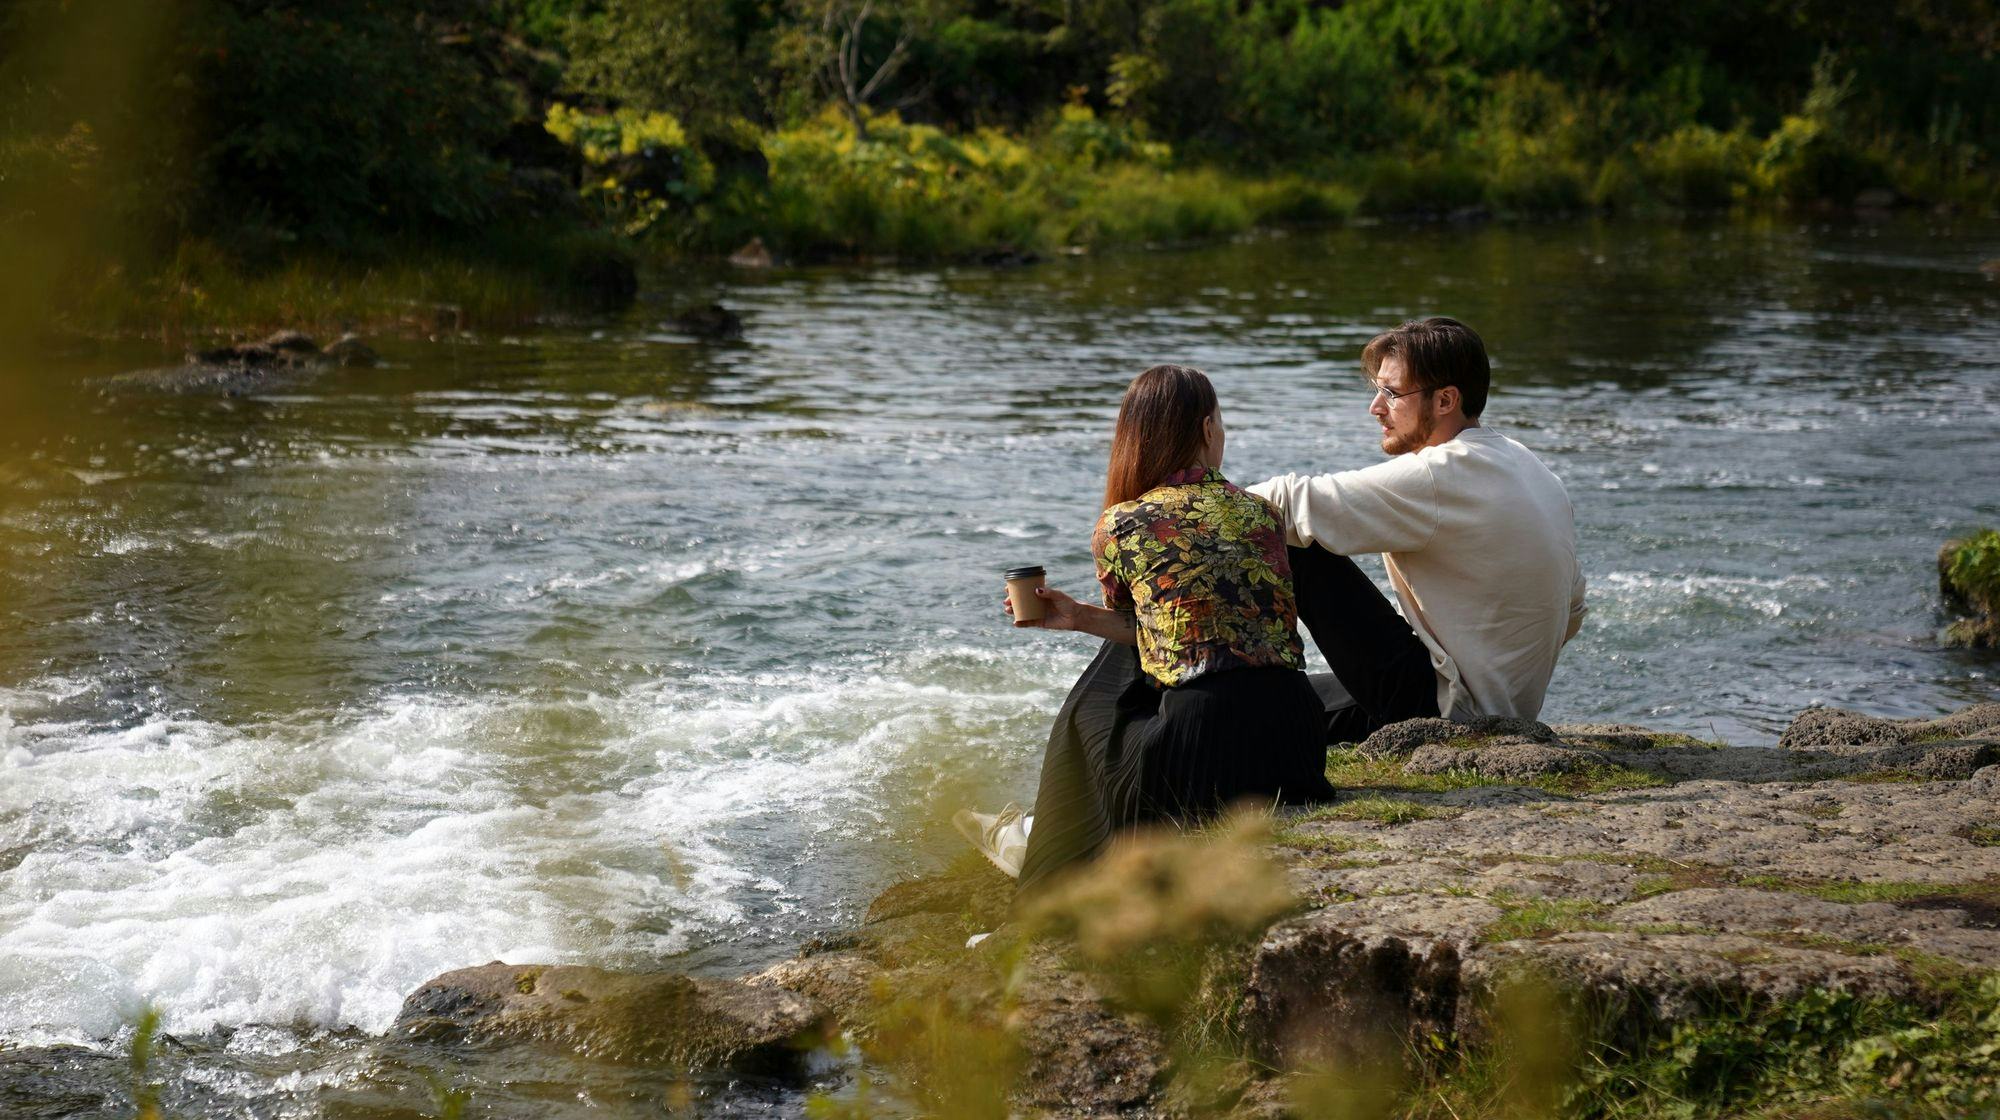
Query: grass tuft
[[1539, 917], [1348, 768], [1984, 835], [1385, 810]]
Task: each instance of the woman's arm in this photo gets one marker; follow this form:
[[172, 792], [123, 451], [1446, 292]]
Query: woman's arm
[[1060, 612]]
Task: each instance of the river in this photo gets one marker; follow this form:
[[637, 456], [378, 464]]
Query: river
[[595, 643]]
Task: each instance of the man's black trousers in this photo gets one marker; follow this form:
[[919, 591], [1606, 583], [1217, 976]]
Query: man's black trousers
[[1382, 670]]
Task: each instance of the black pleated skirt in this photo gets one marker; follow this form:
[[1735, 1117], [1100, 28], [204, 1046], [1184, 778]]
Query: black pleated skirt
[[1125, 751]]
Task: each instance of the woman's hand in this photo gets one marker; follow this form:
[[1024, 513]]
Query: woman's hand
[[1059, 611]]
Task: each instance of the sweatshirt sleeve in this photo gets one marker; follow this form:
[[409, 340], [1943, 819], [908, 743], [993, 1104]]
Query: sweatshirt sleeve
[[1576, 608], [1389, 507]]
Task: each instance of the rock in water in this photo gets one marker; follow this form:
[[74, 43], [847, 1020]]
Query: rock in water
[[618, 1016], [280, 361], [715, 323], [1008, 256], [283, 350], [248, 355], [294, 342], [1969, 580], [752, 255], [349, 350], [1838, 727]]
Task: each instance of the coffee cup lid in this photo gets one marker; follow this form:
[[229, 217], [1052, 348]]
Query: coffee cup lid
[[1023, 572]]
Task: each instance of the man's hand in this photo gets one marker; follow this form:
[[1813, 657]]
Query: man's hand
[[1059, 611]]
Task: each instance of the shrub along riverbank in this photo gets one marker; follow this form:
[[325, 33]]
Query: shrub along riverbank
[[1084, 181], [914, 192], [168, 166]]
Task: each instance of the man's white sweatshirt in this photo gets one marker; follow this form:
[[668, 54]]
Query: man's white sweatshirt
[[1480, 543]]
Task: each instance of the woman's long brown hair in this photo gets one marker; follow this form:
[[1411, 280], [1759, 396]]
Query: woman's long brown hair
[[1159, 430]]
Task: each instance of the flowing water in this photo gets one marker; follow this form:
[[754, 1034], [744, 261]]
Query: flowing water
[[593, 643]]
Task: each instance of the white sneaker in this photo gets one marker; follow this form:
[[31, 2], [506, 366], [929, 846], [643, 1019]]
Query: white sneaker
[[1001, 837]]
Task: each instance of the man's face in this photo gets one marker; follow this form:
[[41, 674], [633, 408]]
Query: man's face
[[1403, 412]]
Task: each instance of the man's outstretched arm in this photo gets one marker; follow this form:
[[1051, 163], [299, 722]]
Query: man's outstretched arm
[[1389, 507]]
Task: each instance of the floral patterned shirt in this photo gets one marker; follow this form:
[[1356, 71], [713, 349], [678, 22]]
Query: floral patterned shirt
[[1201, 564]]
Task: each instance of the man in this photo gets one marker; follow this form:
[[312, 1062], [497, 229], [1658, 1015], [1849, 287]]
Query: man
[[1477, 535]]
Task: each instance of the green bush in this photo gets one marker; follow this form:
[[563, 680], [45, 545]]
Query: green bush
[[1146, 205], [1697, 168], [914, 191], [1804, 161], [1616, 185], [1298, 199], [909, 190], [1079, 136], [637, 165], [1526, 180], [1529, 136], [1421, 184], [1810, 156]]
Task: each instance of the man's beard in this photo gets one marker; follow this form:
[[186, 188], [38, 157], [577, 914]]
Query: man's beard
[[1398, 443]]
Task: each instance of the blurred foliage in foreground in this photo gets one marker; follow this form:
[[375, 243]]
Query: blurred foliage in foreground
[[543, 139], [1165, 925]]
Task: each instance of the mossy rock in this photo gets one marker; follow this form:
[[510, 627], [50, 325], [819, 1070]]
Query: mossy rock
[[1974, 633], [1969, 580], [1400, 740], [1969, 571]]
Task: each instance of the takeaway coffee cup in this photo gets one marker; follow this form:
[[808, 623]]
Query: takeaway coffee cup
[[1021, 584]]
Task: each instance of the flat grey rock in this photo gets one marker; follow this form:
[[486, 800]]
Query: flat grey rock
[[617, 1016], [1510, 758], [1938, 927], [1675, 977], [1606, 736], [1398, 740]]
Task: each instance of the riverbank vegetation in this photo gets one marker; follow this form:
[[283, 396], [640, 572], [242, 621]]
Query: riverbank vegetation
[[552, 143]]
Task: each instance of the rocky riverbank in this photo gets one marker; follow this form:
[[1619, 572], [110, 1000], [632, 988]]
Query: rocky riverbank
[[1487, 911]]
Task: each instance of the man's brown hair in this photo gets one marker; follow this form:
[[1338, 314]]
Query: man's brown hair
[[1437, 352], [1159, 430]]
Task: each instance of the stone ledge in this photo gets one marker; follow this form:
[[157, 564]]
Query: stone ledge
[[618, 1016]]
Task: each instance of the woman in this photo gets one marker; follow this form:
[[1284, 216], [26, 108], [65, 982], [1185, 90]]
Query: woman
[[1199, 696]]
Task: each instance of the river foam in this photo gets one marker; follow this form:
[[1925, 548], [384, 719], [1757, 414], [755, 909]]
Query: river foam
[[312, 873]]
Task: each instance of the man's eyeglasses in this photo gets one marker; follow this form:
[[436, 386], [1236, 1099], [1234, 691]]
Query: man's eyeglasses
[[1393, 395]]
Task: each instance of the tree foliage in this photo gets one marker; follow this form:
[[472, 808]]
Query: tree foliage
[[351, 123]]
